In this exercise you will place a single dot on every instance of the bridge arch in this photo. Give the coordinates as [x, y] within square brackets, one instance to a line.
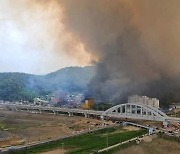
[135, 111]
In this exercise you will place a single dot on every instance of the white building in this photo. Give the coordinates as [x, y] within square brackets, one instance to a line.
[154, 102]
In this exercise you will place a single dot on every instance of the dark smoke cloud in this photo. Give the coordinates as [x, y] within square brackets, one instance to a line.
[136, 42]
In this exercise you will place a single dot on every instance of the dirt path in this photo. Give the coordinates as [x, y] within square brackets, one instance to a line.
[131, 128]
[157, 146]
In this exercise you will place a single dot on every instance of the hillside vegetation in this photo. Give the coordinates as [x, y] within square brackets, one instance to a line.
[21, 86]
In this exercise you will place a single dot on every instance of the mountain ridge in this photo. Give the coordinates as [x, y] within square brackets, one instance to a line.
[15, 86]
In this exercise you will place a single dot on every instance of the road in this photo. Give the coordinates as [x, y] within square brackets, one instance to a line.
[54, 110]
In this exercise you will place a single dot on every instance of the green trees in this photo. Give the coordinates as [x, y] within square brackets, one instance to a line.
[21, 86]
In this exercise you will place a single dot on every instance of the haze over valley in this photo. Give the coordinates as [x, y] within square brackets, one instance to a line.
[89, 76]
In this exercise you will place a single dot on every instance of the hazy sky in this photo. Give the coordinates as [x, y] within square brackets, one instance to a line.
[33, 38]
[41, 36]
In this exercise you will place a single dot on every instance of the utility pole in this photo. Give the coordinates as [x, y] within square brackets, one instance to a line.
[107, 141]
[119, 142]
[62, 147]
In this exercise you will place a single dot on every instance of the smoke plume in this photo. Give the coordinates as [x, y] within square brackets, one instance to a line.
[136, 43]
[33, 38]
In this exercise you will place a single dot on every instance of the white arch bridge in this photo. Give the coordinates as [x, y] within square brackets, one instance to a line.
[135, 111]
[128, 110]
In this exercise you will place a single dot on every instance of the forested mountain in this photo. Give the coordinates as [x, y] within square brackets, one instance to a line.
[21, 86]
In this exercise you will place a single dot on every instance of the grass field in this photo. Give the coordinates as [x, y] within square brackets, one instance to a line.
[88, 142]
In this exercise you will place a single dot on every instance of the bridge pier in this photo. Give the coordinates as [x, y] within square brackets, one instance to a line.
[86, 115]
[40, 111]
[54, 112]
[141, 111]
[121, 110]
[28, 110]
[135, 110]
[130, 110]
[146, 113]
[102, 117]
[70, 114]
[126, 109]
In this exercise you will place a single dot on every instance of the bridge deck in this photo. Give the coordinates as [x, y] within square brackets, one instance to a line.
[114, 112]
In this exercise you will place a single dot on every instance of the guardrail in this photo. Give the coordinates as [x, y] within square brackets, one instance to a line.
[117, 145]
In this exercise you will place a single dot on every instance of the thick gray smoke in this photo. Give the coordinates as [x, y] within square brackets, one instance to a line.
[136, 43]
